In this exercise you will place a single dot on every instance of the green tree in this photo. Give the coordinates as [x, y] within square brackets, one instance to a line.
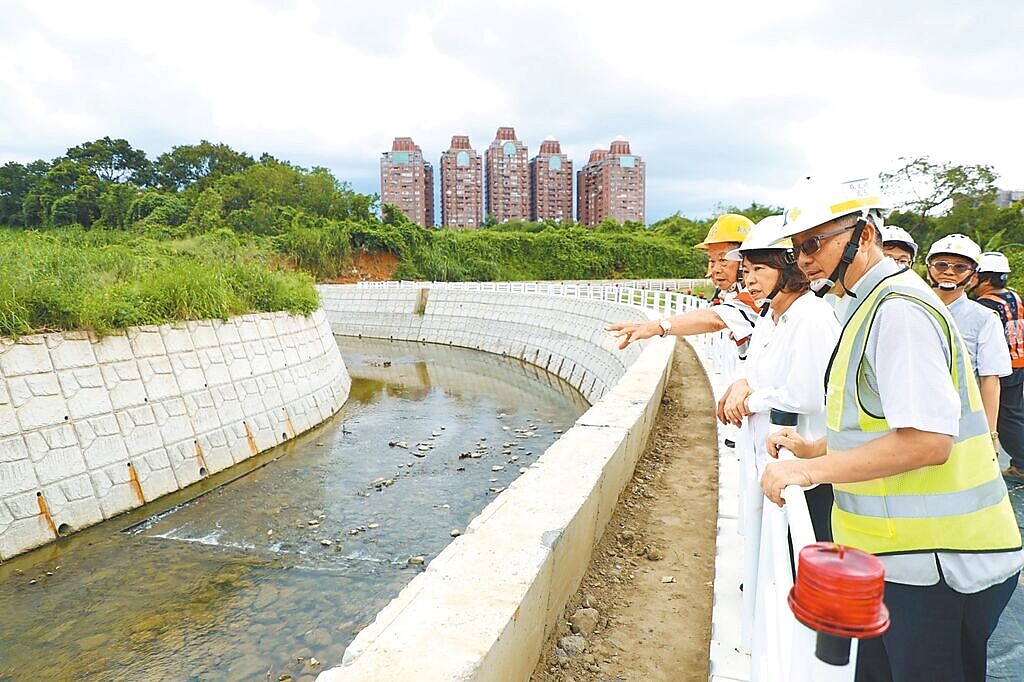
[685, 230]
[16, 180]
[70, 182]
[281, 186]
[115, 202]
[113, 160]
[928, 188]
[207, 213]
[198, 164]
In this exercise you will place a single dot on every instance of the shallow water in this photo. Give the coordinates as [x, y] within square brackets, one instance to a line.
[1006, 647]
[287, 562]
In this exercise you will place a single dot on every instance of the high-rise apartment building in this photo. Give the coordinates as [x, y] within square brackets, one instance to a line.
[611, 185]
[407, 181]
[551, 183]
[507, 192]
[462, 200]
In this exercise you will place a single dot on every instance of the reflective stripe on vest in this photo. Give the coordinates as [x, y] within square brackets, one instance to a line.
[960, 505]
[1013, 326]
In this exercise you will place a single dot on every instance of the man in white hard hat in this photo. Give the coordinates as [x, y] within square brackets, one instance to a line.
[732, 308]
[898, 245]
[991, 291]
[952, 262]
[908, 450]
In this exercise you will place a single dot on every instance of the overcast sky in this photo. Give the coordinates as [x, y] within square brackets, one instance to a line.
[726, 101]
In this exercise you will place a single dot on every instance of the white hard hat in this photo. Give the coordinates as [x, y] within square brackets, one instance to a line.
[956, 245]
[993, 261]
[897, 235]
[816, 202]
[763, 237]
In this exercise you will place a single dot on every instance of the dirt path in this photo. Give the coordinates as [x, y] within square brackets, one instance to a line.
[650, 577]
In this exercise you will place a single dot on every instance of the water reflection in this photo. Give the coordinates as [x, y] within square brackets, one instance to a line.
[270, 571]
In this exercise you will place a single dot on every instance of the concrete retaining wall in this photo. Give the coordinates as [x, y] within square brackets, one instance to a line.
[483, 607]
[90, 428]
[563, 335]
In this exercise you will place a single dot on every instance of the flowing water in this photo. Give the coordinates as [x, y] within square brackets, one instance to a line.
[284, 558]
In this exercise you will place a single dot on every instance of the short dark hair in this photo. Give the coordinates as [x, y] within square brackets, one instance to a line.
[996, 279]
[792, 279]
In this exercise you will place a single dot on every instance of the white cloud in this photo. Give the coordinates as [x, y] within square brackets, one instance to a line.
[726, 101]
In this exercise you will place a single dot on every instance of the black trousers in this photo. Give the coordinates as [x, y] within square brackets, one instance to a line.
[819, 505]
[937, 634]
[1010, 423]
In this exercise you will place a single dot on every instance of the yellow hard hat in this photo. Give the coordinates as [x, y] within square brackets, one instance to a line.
[730, 227]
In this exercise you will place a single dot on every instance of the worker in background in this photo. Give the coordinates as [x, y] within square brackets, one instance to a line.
[794, 324]
[732, 308]
[991, 291]
[952, 262]
[899, 245]
[907, 450]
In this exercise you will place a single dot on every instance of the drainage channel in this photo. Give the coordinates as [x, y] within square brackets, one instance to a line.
[269, 570]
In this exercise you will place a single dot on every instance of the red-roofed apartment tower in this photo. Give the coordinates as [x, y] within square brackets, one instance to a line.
[551, 184]
[407, 181]
[611, 185]
[507, 192]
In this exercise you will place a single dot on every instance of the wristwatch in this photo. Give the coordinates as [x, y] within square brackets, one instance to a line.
[665, 325]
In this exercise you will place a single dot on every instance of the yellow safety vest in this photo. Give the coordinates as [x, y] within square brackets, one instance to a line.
[959, 506]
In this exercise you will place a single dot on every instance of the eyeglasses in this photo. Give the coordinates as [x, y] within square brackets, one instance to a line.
[943, 266]
[905, 262]
[812, 245]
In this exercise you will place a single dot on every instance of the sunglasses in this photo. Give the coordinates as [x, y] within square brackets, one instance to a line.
[812, 245]
[943, 266]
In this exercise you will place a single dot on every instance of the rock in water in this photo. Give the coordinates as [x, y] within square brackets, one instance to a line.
[318, 637]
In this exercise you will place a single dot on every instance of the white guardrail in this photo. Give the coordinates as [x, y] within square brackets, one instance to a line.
[779, 647]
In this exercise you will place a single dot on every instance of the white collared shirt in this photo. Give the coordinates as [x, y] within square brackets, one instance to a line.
[786, 366]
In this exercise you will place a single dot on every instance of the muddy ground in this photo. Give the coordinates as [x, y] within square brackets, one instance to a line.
[650, 577]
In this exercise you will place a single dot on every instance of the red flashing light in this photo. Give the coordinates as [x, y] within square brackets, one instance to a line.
[839, 591]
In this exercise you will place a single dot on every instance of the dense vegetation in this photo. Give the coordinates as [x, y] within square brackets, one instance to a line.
[70, 278]
[104, 237]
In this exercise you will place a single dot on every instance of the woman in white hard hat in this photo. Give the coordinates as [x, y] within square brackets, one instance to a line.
[789, 351]
[907, 451]
[899, 245]
[991, 291]
[952, 262]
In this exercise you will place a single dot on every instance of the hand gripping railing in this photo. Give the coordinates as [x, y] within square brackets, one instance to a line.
[782, 649]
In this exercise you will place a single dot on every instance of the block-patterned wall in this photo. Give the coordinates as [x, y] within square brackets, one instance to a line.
[563, 335]
[91, 427]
